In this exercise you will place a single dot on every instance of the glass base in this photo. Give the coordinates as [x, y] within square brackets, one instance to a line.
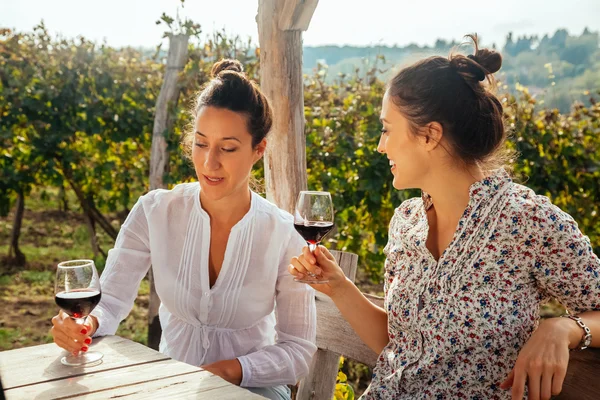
[87, 359]
[312, 281]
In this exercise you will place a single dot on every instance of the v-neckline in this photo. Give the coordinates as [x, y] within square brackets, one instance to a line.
[224, 263]
[451, 243]
[205, 264]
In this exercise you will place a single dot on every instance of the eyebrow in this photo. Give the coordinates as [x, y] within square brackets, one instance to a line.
[224, 138]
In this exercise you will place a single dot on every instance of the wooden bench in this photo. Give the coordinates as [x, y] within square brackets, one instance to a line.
[335, 337]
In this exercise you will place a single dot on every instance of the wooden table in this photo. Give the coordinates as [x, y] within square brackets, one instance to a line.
[128, 370]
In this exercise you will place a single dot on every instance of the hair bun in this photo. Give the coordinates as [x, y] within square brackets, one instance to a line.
[490, 60]
[226, 64]
[479, 65]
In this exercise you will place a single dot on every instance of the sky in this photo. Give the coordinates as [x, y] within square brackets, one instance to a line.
[338, 22]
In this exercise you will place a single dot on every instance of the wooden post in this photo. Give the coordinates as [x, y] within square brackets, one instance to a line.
[320, 382]
[280, 26]
[159, 158]
[168, 96]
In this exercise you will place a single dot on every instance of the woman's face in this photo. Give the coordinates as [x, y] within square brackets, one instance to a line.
[222, 153]
[408, 153]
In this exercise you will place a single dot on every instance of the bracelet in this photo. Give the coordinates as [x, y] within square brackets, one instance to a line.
[586, 340]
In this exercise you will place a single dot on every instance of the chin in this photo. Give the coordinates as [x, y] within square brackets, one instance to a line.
[213, 193]
[397, 184]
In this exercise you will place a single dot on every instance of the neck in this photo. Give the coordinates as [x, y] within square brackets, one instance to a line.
[228, 210]
[449, 189]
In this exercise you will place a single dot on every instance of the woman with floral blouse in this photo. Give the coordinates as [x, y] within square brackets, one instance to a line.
[469, 262]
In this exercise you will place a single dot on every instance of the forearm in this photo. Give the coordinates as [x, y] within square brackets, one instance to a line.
[230, 370]
[369, 321]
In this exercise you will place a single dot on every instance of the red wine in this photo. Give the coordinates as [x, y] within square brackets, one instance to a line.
[78, 303]
[313, 232]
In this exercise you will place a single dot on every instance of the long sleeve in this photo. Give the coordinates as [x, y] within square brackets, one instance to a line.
[127, 263]
[566, 266]
[288, 360]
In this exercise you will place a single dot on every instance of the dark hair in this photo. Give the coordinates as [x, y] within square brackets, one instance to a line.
[450, 91]
[229, 88]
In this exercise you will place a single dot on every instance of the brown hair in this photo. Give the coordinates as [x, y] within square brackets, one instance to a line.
[450, 91]
[230, 89]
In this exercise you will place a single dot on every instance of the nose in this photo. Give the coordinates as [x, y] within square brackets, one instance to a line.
[211, 162]
[381, 145]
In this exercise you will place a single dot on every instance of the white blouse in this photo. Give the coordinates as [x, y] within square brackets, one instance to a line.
[254, 312]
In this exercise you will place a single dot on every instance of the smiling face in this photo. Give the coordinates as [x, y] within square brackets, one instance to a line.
[408, 153]
[222, 153]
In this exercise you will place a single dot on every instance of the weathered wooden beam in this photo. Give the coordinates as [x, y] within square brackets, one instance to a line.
[281, 81]
[169, 94]
[320, 382]
[296, 14]
[159, 156]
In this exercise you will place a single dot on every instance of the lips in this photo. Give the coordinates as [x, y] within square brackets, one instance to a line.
[213, 180]
[392, 165]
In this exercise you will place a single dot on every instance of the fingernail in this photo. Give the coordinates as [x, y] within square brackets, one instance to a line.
[83, 331]
[312, 261]
[318, 271]
[87, 341]
[84, 348]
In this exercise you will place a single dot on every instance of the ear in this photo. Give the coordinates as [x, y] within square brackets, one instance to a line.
[432, 136]
[260, 149]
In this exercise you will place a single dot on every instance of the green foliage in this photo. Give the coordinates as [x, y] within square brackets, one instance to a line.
[343, 390]
[78, 114]
[37, 277]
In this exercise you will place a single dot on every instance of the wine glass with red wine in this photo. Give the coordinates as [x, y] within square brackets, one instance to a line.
[313, 220]
[77, 292]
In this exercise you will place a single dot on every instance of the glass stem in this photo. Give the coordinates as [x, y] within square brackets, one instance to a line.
[312, 247]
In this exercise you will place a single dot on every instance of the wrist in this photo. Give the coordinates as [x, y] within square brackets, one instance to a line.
[566, 329]
[581, 336]
[93, 322]
[233, 371]
[341, 290]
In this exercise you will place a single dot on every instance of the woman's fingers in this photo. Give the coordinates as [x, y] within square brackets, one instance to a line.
[546, 388]
[558, 379]
[68, 334]
[308, 255]
[302, 266]
[306, 266]
[64, 341]
[322, 250]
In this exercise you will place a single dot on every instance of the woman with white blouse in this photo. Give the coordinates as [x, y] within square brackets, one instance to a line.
[469, 262]
[219, 253]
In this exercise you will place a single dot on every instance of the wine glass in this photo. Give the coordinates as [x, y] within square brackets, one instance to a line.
[77, 292]
[313, 219]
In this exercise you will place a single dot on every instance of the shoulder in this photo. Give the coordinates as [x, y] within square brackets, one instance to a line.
[182, 195]
[534, 209]
[265, 210]
[535, 216]
[277, 223]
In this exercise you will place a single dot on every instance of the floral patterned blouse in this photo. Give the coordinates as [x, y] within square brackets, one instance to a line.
[456, 325]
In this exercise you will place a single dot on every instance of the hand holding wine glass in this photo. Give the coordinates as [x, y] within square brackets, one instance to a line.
[313, 219]
[77, 292]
